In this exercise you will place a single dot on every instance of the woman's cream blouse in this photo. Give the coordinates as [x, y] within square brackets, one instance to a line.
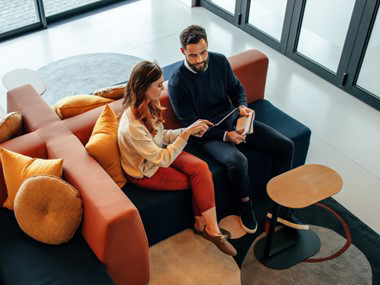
[141, 153]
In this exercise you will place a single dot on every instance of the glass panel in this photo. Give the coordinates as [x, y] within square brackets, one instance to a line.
[17, 14]
[53, 7]
[228, 5]
[323, 32]
[268, 16]
[369, 72]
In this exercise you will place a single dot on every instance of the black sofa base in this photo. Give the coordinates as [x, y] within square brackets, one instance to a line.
[24, 260]
[165, 213]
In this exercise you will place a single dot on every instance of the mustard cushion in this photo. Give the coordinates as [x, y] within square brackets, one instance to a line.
[103, 145]
[75, 105]
[18, 167]
[114, 92]
[48, 209]
[10, 126]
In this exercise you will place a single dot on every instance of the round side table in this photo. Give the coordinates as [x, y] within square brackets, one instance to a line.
[22, 76]
[297, 188]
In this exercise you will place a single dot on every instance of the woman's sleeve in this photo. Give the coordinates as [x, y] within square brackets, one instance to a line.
[171, 135]
[142, 141]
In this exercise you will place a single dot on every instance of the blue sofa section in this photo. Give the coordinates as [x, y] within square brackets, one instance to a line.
[24, 260]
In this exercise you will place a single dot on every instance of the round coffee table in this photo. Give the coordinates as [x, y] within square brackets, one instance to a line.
[297, 188]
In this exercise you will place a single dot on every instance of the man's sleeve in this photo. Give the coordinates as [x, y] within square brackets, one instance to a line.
[235, 89]
[186, 112]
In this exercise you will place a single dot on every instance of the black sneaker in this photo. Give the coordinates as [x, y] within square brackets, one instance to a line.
[291, 221]
[247, 217]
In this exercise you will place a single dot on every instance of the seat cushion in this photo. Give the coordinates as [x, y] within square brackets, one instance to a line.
[24, 260]
[48, 209]
[267, 113]
[163, 213]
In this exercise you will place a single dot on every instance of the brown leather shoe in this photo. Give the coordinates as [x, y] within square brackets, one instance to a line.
[223, 231]
[221, 242]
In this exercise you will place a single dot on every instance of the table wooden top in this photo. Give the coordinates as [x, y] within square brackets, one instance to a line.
[304, 185]
[22, 76]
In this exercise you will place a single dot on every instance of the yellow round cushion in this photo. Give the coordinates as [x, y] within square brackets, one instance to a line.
[48, 209]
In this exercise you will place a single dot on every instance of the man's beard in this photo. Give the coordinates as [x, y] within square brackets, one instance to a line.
[199, 69]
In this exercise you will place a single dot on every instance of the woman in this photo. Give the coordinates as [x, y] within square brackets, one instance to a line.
[151, 165]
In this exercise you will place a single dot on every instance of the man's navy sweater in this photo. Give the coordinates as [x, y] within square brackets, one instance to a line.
[207, 95]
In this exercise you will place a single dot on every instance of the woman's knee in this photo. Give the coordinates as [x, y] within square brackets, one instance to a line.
[201, 167]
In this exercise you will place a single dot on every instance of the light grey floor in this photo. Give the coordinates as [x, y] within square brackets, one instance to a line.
[346, 132]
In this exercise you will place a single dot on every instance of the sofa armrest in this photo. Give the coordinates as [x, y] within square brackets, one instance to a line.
[35, 111]
[111, 223]
[251, 69]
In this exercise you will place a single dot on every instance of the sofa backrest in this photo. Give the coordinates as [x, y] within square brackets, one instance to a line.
[250, 67]
[28, 144]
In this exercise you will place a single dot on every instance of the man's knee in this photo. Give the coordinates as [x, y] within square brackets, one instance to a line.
[238, 162]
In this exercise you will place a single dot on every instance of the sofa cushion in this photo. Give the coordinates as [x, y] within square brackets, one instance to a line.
[48, 209]
[10, 126]
[24, 260]
[75, 105]
[174, 207]
[103, 145]
[112, 92]
[267, 113]
[17, 167]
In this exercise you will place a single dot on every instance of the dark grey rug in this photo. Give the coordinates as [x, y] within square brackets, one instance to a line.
[83, 74]
[350, 268]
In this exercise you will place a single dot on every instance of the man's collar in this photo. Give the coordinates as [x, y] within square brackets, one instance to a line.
[189, 68]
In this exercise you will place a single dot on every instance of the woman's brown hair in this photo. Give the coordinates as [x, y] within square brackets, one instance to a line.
[146, 111]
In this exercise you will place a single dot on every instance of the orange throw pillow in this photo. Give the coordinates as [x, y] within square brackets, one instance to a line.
[18, 167]
[103, 145]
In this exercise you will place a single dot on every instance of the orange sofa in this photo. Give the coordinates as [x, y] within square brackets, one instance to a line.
[112, 226]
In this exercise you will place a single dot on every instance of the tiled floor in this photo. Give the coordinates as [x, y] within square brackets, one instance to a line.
[346, 132]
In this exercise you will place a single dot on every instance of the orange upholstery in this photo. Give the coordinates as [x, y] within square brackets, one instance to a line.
[82, 125]
[112, 226]
[171, 121]
[35, 113]
[251, 68]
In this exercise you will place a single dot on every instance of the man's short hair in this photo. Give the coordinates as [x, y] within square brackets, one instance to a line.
[192, 35]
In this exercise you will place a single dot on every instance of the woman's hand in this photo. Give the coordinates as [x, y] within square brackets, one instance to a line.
[199, 127]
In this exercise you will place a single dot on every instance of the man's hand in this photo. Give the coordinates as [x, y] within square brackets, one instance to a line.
[235, 136]
[244, 111]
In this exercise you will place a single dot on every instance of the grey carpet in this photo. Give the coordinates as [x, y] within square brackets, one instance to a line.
[83, 74]
[352, 267]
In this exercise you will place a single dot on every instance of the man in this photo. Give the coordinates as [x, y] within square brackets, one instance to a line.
[204, 86]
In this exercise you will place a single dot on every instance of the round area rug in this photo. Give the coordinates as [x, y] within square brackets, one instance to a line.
[351, 267]
[83, 74]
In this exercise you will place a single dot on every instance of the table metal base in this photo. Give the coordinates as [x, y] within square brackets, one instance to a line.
[289, 247]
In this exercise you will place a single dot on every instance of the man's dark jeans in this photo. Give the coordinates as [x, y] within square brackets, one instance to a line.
[264, 139]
